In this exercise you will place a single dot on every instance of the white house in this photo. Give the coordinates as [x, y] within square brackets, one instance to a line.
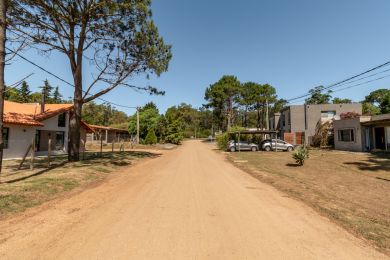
[24, 122]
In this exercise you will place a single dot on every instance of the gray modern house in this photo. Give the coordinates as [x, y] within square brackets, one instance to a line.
[363, 133]
[303, 119]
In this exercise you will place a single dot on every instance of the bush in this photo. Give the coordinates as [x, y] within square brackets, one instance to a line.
[151, 137]
[174, 138]
[300, 155]
[222, 140]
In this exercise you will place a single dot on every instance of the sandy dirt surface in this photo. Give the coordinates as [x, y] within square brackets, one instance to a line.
[187, 204]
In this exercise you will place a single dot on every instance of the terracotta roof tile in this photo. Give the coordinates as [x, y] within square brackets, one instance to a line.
[30, 113]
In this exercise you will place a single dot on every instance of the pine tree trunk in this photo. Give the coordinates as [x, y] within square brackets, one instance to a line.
[75, 118]
[3, 11]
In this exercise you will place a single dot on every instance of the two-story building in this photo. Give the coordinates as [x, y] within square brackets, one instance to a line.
[25, 122]
[304, 118]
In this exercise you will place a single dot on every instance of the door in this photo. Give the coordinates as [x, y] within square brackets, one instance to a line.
[380, 138]
[60, 138]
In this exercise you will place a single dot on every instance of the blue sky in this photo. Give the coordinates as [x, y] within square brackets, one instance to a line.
[292, 45]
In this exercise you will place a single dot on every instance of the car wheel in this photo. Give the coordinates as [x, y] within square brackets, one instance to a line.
[232, 149]
[254, 149]
[289, 149]
[267, 148]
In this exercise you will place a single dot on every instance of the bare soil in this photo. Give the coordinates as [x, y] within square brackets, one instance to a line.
[352, 189]
[189, 203]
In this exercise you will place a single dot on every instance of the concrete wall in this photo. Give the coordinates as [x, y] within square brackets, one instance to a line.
[313, 114]
[19, 139]
[358, 145]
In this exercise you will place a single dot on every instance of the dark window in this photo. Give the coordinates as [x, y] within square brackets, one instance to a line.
[61, 120]
[346, 135]
[37, 140]
[5, 137]
[60, 138]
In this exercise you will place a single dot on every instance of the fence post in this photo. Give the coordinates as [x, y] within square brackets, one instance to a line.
[49, 152]
[113, 145]
[101, 147]
[32, 153]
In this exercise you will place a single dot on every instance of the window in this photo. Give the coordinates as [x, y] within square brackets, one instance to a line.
[346, 135]
[328, 114]
[60, 138]
[61, 120]
[5, 137]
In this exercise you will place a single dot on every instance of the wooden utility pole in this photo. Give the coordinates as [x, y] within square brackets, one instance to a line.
[137, 126]
[3, 26]
[267, 116]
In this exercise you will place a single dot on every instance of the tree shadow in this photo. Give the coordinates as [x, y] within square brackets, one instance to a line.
[376, 162]
[36, 173]
[292, 165]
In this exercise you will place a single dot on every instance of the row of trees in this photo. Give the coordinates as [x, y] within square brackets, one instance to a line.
[105, 115]
[178, 122]
[236, 103]
[25, 95]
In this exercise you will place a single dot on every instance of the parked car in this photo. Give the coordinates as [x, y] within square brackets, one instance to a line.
[272, 144]
[242, 146]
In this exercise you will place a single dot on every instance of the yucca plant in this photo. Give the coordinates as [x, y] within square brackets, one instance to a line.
[300, 155]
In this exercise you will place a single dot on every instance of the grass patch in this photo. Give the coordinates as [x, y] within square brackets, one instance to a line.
[349, 188]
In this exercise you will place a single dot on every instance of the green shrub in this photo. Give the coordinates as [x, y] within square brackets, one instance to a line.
[300, 155]
[222, 140]
[174, 138]
[151, 137]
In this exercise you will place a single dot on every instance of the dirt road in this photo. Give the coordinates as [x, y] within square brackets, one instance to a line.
[187, 204]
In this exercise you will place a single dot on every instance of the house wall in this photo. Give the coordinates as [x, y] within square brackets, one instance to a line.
[52, 125]
[313, 114]
[358, 145]
[19, 139]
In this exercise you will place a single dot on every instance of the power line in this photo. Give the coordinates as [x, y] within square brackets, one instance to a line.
[65, 81]
[359, 84]
[345, 81]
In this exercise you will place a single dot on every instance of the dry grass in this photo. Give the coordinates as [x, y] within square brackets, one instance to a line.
[353, 189]
[22, 189]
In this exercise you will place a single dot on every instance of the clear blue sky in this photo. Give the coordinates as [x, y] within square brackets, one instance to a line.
[292, 45]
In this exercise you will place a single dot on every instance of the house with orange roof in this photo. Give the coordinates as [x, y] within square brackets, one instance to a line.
[25, 122]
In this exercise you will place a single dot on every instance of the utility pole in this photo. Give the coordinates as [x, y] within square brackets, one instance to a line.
[137, 125]
[3, 13]
[267, 116]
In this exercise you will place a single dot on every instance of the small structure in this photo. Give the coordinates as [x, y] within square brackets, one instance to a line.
[264, 134]
[107, 134]
[363, 133]
[296, 122]
[28, 123]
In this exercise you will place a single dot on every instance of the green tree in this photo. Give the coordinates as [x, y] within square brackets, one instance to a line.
[25, 93]
[317, 97]
[379, 99]
[223, 97]
[12, 94]
[337, 100]
[118, 36]
[47, 91]
[57, 97]
[151, 137]
[149, 118]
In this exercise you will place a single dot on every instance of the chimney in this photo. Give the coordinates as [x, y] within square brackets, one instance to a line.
[43, 101]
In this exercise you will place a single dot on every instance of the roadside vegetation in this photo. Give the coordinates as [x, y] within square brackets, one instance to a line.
[351, 189]
[23, 189]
